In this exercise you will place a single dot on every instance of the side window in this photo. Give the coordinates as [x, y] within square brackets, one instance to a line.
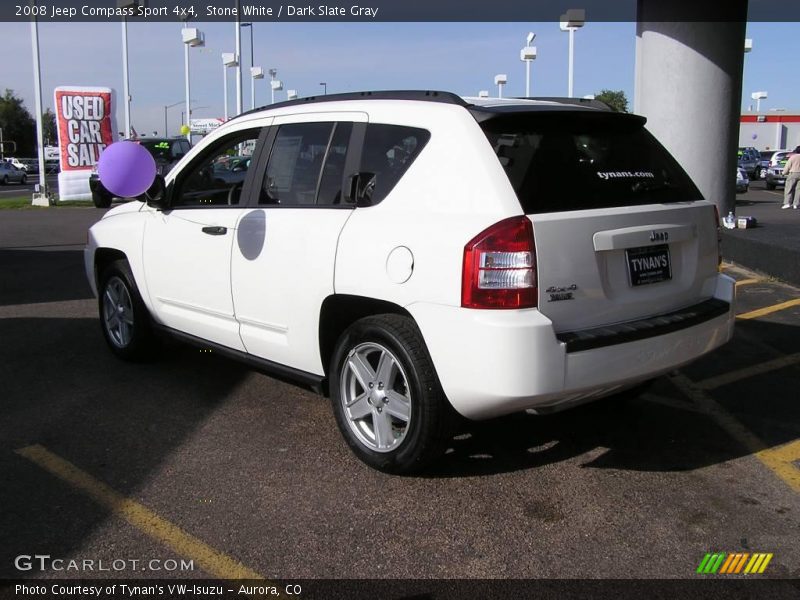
[295, 164]
[216, 177]
[330, 183]
[388, 152]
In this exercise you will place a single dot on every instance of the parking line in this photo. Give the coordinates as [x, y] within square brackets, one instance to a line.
[754, 314]
[748, 281]
[776, 460]
[781, 460]
[747, 372]
[210, 560]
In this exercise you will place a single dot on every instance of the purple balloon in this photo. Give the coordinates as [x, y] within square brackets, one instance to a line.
[126, 169]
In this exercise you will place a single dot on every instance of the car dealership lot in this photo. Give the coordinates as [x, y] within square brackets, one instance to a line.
[237, 468]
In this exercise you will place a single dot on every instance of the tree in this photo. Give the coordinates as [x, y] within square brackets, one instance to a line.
[615, 99]
[17, 124]
[49, 127]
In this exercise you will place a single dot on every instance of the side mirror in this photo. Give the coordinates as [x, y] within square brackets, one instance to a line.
[156, 195]
[360, 187]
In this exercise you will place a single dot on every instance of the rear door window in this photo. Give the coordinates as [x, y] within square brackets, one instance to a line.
[388, 152]
[574, 161]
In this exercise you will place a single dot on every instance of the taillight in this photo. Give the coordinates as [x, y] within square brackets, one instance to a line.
[719, 236]
[499, 269]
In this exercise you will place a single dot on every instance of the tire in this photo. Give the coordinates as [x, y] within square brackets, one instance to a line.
[124, 318]
[5, 180]
[757, 174]
[416, 431]
[101, 200]
[770, 186]
[24, 180]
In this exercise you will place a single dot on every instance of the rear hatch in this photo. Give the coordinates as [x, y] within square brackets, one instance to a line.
[621, 232]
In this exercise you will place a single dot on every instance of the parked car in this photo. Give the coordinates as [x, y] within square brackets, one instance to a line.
[748, 158]
[11, 174]
[231, 169]
[16, 162]
[742, 182]
[411, 255]
[166, 152]
[763, 163]
[31, 165]
[773, 175]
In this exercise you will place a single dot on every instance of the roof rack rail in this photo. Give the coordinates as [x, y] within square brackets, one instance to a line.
[422, 95]
[574, 101]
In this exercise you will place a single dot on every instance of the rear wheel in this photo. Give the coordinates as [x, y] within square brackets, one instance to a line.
[5, 179]
[124, 318]
[24, 180]
[386, 397]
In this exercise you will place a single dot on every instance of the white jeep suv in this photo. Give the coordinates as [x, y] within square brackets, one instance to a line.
[417, 255]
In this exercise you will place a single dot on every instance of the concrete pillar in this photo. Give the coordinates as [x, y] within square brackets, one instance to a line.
[689, 86]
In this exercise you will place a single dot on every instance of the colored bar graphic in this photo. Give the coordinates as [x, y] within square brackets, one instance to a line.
[732, 564]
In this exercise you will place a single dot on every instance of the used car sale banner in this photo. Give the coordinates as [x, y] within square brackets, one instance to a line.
[85, 121]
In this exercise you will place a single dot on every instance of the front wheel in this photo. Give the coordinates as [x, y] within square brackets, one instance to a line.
[123, 316]
[386, 396]
[24, 180]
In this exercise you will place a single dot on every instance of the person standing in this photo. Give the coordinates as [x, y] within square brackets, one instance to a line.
[791, 190]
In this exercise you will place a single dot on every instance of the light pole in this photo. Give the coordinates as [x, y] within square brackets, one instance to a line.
[275, 85]
[324, 88]
[191, 36]
[758, 97]
[39, 199]
[483, 94]
[166, 106]
[125, 72]
[528, 55]
[571, 21]
[252, 83]
[255, 73]
[291, 94]
[238, 60]
[228, 60]
[500, 80]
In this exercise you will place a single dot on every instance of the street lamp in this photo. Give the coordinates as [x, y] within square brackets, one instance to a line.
[291, 94]
[758, 97]
[483, 94]
[528, 55]
[276, 85]
[748, 45]
[125, 74]
[255, 73]
[228, 60]
[252, 83]
[166, 106]
[193, 37]
[500, 80]
[238, 60]
[324, 88]
[571, 21]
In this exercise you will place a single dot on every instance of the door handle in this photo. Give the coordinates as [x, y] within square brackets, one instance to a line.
[215, 230]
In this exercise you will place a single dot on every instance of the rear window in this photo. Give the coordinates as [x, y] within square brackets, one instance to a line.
[567, 161]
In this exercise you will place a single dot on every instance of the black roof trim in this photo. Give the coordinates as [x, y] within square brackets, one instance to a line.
[590, 102]
[421, 95]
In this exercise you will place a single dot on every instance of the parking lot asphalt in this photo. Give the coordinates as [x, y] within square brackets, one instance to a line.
[192, 456]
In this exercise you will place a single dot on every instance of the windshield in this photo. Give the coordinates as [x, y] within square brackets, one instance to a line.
[574, 161]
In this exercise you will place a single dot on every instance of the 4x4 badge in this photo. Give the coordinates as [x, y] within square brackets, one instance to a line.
[561, 293]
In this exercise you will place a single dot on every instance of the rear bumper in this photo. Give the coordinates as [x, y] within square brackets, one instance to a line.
[492, 363]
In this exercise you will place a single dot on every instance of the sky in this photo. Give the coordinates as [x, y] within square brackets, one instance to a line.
[457, 57]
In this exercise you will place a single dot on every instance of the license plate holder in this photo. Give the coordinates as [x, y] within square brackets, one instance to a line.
[648, 264]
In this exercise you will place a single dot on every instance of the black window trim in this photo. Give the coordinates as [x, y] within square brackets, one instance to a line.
[350, 166]
[247, 189]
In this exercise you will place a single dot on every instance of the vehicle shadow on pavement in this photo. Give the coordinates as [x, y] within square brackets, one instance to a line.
[42, 275]
[660, 431]
[117, 421]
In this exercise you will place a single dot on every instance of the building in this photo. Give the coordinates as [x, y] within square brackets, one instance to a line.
[771, 130]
